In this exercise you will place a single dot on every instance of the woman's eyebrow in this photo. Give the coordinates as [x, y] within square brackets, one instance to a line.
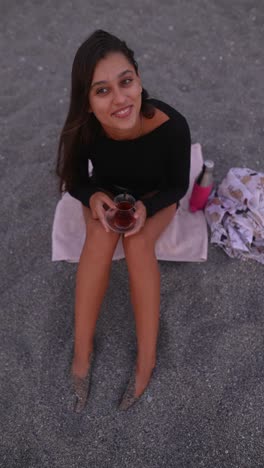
[97, 83]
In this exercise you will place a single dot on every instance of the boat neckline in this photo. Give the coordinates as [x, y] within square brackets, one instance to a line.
[141, 137]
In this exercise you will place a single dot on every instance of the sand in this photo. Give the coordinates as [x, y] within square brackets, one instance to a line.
[205, 404]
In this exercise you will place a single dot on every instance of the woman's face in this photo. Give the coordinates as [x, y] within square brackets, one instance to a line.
[115, 96]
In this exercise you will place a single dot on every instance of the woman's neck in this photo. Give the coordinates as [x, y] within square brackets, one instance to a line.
[129, 134]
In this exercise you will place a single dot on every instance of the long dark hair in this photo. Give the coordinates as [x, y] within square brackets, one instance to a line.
[81, 126]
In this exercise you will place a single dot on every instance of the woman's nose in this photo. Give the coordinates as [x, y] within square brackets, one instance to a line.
[118, 96]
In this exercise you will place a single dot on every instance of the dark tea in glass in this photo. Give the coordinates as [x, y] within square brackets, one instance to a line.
[124, 215]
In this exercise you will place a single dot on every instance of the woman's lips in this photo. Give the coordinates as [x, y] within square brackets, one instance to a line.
[124, 112]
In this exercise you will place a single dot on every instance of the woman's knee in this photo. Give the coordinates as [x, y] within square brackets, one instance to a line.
[138, 245]
[96, 235]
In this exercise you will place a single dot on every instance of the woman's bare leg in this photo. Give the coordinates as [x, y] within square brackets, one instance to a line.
[144, 279]
[91, 283]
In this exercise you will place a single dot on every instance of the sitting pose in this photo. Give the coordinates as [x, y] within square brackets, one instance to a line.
[136, 145]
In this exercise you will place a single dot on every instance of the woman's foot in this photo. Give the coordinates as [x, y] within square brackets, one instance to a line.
[81, 380]
[137, 384]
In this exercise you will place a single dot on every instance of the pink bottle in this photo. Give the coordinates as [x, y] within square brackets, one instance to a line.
[202, 187]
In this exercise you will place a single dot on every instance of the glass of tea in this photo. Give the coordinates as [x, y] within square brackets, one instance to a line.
[122, 218]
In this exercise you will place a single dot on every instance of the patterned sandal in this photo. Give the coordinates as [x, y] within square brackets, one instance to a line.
[81, 387]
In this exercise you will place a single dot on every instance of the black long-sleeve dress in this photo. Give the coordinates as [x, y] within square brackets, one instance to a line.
[158, 161]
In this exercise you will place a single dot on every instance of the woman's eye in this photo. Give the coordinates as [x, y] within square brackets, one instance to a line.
[127, 81]
[104, 91]
[101, 91]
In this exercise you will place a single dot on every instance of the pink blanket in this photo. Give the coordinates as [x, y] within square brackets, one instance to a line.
[184, 240]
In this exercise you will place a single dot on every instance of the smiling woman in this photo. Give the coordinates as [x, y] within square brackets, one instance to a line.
[116, 94]
[139, 146]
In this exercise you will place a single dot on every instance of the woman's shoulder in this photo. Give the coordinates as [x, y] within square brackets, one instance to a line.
[167, 117]
[167, 109]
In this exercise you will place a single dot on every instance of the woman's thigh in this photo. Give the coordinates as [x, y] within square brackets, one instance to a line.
[146, 238]
[96, 231]
[156, 224]
[90, 222]
[151, 231]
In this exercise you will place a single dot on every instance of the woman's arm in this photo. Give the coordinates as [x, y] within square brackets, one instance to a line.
[177, 170]
[83, 187]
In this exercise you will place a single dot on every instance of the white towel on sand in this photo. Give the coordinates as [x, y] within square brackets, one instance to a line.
[184, 240]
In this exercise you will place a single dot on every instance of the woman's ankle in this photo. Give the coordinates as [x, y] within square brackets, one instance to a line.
[142, 380]
[145, 366]
[81, 364]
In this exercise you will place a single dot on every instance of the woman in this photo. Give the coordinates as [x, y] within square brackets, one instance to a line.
[137, 145]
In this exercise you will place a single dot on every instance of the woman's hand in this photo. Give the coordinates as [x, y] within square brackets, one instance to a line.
[140, 215]
[97, 202]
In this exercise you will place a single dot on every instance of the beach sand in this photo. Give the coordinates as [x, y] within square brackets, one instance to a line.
[205, 404]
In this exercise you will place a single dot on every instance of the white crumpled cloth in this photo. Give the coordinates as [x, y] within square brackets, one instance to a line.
[235, 214]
